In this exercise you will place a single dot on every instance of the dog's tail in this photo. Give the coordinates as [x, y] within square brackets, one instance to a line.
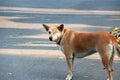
[116, 46]
[118, 51]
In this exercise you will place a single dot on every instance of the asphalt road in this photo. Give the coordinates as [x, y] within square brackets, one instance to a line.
[27, 54]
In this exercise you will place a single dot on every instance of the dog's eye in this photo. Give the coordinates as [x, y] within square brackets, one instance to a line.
[49, 32]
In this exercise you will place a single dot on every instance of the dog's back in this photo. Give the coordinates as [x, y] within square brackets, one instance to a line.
[82, 42]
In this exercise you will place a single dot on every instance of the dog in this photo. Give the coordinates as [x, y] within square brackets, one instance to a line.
[80, 44]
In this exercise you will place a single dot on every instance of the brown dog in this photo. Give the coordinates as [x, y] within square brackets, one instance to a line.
[83, 44]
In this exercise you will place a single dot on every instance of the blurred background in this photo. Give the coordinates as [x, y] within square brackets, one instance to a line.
[27, 54]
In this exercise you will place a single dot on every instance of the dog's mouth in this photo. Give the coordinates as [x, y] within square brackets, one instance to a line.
[55, 37]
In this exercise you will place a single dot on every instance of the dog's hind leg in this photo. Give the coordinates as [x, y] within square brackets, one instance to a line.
[108, 68]
[111, 57]
[107, 56]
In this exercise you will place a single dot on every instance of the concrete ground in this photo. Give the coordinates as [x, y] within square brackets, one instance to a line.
[27, 54]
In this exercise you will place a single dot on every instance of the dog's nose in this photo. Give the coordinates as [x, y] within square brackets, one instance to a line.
[50, 38]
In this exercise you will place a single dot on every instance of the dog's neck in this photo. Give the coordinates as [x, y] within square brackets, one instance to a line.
[58, 43]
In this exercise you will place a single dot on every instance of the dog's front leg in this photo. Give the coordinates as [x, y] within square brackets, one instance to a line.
[70, 60]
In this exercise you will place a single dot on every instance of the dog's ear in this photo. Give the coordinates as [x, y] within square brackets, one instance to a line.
[46, 27]
[61, 27]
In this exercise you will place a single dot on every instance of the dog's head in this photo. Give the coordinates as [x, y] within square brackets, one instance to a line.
[55, 32]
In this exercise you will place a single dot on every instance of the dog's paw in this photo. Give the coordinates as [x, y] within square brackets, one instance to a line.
[107, 78]
[69, 77]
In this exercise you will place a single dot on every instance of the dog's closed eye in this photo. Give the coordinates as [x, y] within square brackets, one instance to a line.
[49, 32]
